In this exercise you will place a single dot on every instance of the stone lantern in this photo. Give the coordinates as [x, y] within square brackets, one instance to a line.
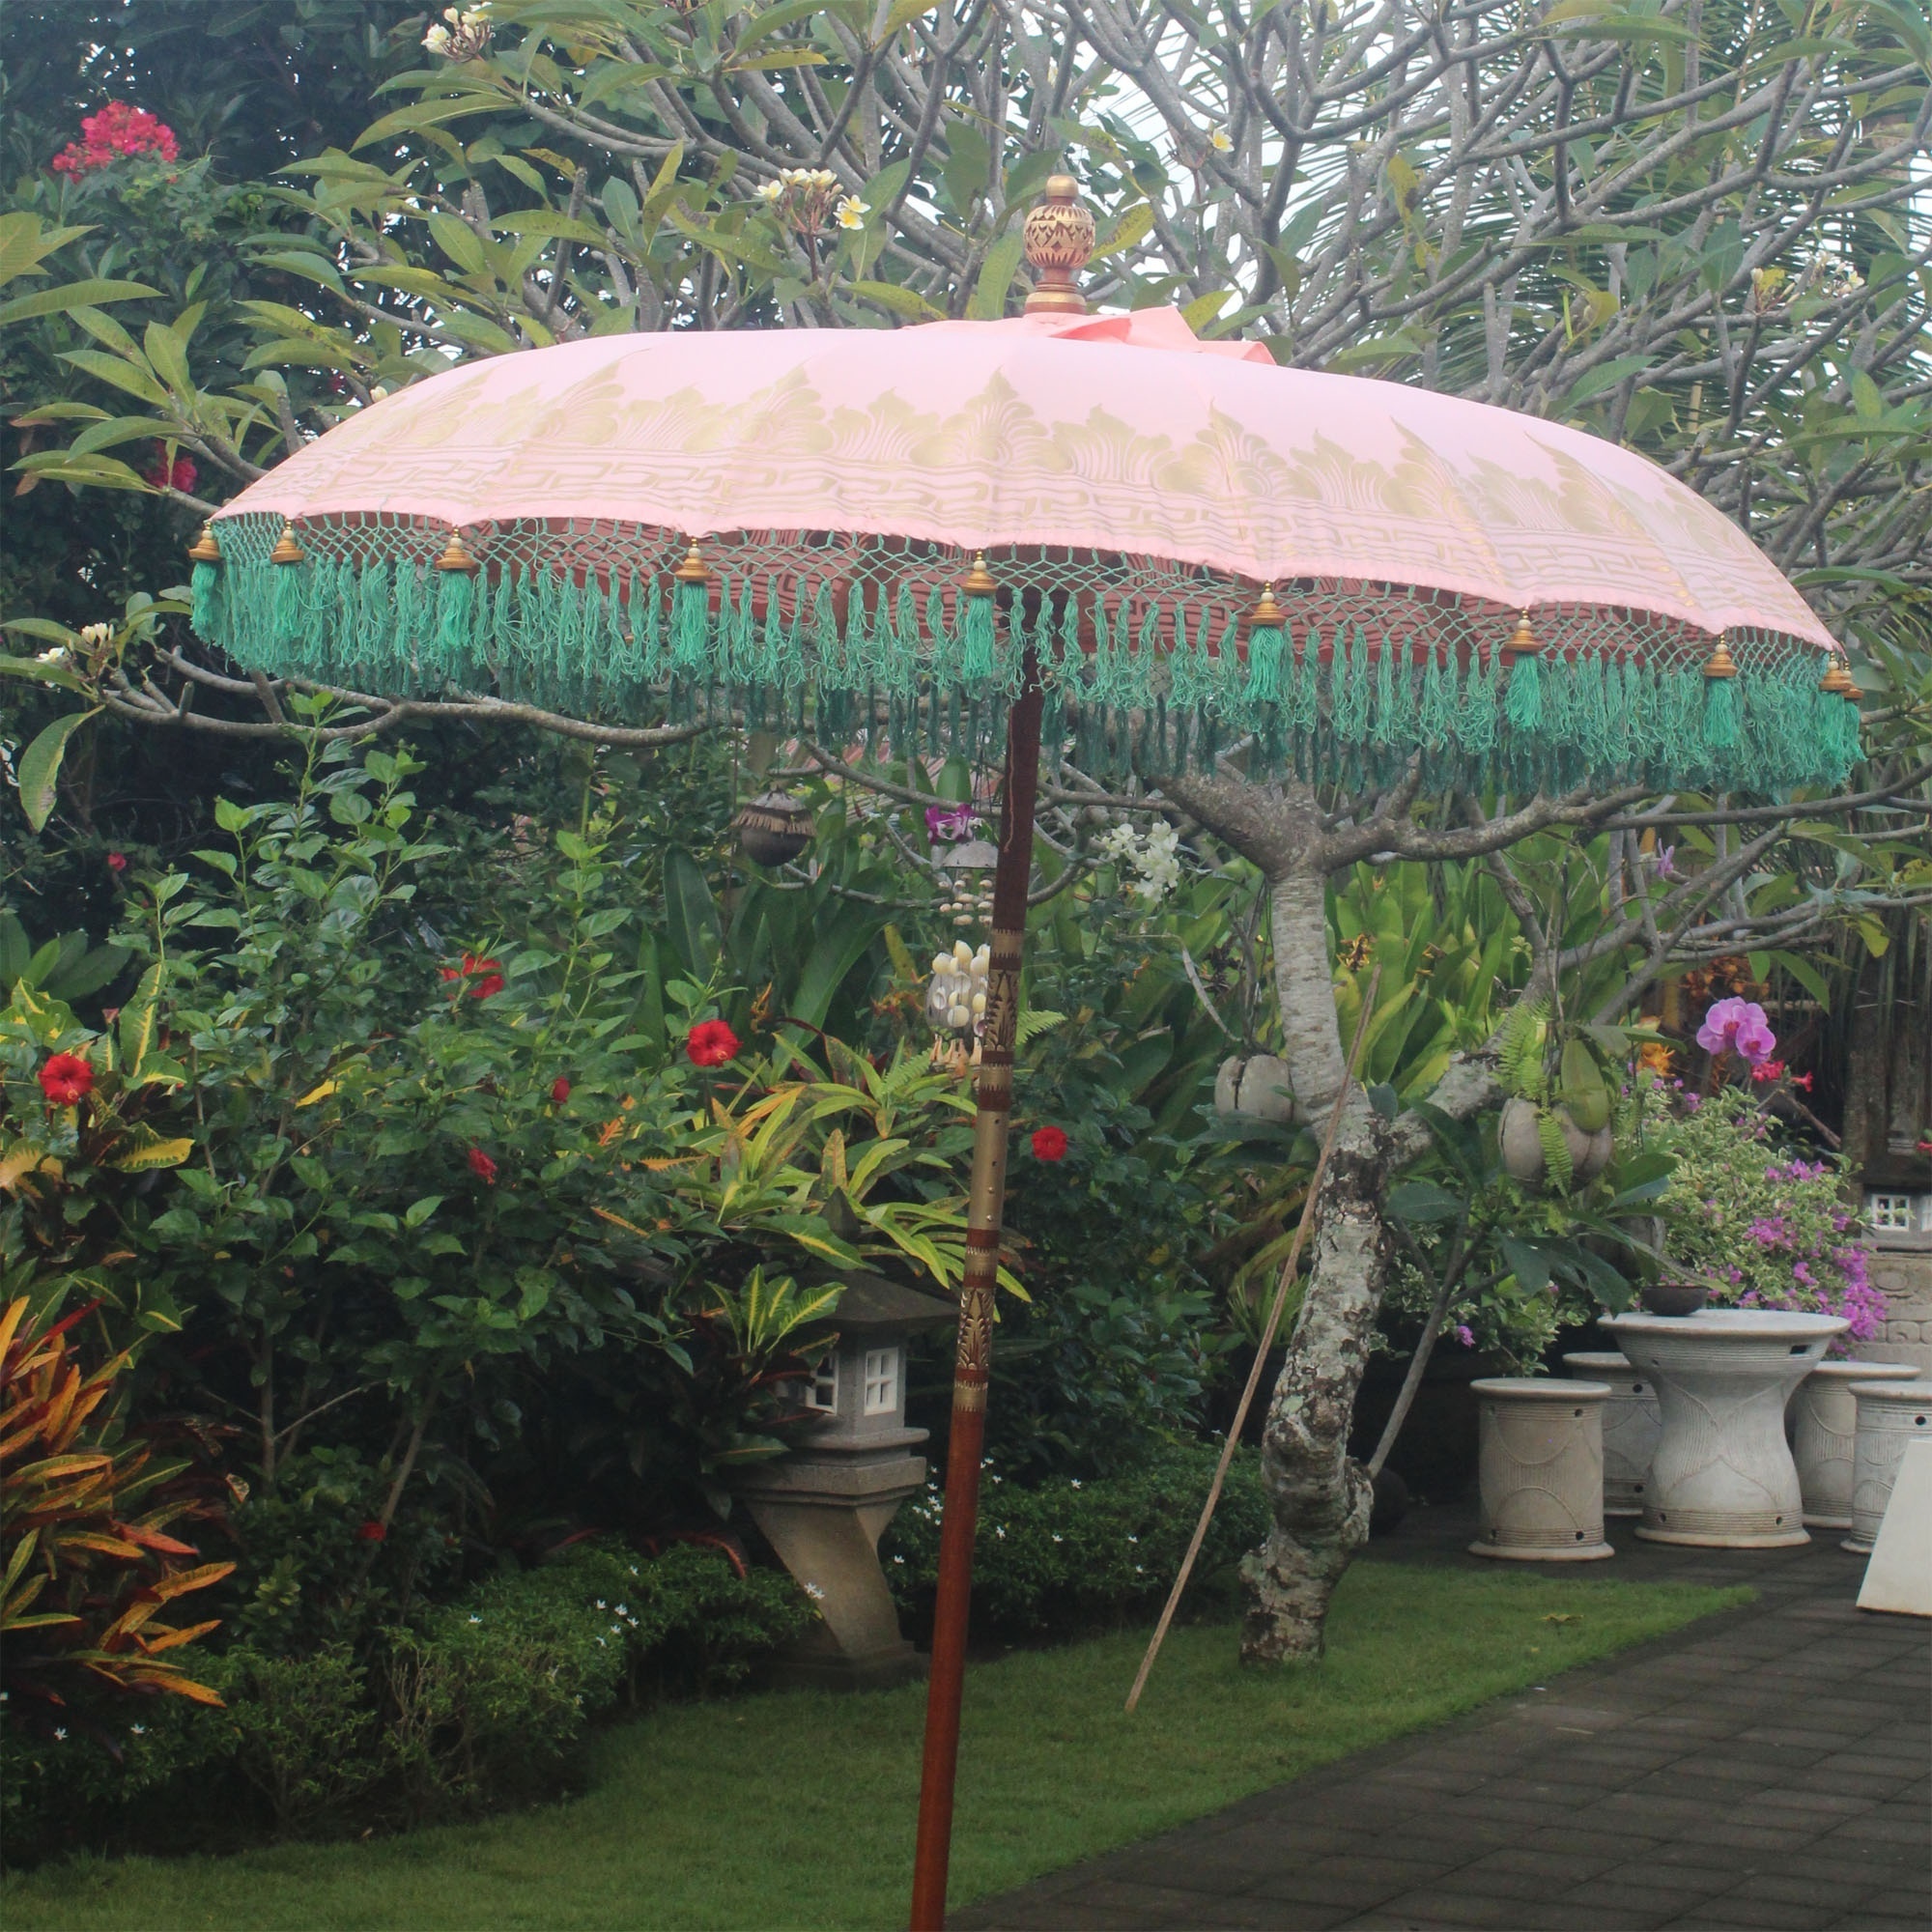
[824, 1506]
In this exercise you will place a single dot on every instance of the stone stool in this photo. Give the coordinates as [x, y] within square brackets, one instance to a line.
[1824, 1428]
[1891, 1415]
[1541, 1470]
[1631, 1424]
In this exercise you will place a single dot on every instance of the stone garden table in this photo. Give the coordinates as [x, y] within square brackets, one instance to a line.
[1723, 1475]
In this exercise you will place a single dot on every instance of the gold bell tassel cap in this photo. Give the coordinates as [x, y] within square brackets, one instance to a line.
[979, 582]
[1721, 663]
[1060, 237]
[456, 555]
[206, 548]
[693, 569]
[287, 549]
[1838, 679]
[1523, 641]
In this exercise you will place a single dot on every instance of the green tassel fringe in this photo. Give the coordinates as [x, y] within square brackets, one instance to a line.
[1326, 705]
[203, 592]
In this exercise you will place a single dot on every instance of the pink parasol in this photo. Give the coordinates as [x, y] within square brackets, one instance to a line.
[994, 536]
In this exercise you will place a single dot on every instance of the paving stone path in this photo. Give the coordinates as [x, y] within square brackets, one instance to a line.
[1769, 1768]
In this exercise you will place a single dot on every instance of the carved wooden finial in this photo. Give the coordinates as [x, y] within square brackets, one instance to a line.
[206, 548]
[1268, 613]
[693, 569]
[456, 555]
[979, 582]
[1523, 641]
[1721, 663]
[1059, 238]
[287, 549]
[1838, 679]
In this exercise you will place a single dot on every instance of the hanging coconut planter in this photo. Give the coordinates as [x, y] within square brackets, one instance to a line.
[1525, 1154]
[773, 829]
[1254, 1087]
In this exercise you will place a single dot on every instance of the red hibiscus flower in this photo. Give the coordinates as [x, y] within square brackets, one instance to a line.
[117, 861]
[711, 1043]
[1768, 1070]
[483, 1167]
[559, 1090]
[488, 975]
[372, 1531]
[1049, 1143]
[67, 1079]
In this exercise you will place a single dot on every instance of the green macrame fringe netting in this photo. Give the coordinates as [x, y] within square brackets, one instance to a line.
[1321, 705]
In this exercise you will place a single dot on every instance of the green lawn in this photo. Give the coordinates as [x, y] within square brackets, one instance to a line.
[797, 1810]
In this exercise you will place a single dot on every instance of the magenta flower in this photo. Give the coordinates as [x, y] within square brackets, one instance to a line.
[1740, 1027]
[949, 823]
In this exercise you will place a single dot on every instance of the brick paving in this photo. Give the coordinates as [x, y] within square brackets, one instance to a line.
[1769, 1768]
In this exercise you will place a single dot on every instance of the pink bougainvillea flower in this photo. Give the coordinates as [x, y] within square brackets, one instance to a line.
[559, 1090]
[67, 1079]
[488, 974]
[116, 132]
[1768, 1070]
[1049, 1143]
[710, 1043]
[1740, 1027]
[483, 1167]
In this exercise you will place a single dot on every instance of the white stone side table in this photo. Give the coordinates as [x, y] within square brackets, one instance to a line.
[1891, 1415]
[1824, 1418]
[1631, 1424]
[1541, 1470]
[1722, 1476]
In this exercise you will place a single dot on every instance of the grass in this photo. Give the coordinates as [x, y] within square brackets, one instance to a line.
[796, 1810]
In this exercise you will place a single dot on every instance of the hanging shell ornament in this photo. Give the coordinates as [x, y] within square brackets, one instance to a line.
[773, 829]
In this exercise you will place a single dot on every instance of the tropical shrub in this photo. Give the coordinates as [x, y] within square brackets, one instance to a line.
[1077, 1553]
[1752, 1214]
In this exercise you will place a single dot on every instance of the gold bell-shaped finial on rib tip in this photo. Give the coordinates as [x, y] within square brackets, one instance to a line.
[979, 582]
[1060, 237]
[204, 549]
[456, 555]
[1838, 679]
[1523, 641]
[693, 569]
[287, 549]
[1268, 613]
[1721, 663]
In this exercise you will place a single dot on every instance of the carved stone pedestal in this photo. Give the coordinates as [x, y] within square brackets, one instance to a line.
[1631, 1424]
[1824, 1421]
[1541, 1470]
[823, 1511]
[1891, 1415]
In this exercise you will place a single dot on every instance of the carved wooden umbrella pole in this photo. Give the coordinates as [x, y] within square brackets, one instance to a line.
[969, 539]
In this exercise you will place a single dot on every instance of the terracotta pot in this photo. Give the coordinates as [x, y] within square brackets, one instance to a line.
[1522, 1145]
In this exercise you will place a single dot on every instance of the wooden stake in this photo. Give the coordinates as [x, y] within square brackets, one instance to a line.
[1288, 1268]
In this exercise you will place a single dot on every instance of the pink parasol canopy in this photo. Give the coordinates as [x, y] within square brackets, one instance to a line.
[1117, 433]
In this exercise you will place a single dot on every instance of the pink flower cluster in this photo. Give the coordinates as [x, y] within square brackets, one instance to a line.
[117, 132]
[1740, 1027]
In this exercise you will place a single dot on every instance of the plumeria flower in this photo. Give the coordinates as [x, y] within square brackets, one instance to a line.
[1219, 140]
[771, 190]
[95, 635]
[851, 212]
[58, 655]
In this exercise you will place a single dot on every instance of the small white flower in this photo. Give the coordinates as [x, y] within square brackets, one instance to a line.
[94, 634]
[1058, 1538]
[822, 178]
[851, 212]
[138, 1730]
[1076, 1482]
[1133, 1539]
[60, 1736]
[623, 1609]
[1001, 1532]
[899, 1559]
[812, 1591]
[605, 1642]
[1219, 140]
[476, 1619]
[771, 190]
[56, 656]
[602, 1604]
[437, 40]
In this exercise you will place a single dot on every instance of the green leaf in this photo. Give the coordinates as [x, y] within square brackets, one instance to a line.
[460, 242]
[691, 915]
[40, 763]
[167, 351]
[1530, 1266]
[40, 674]
[904, 12]
[71, 294]
[996, 276]
[1423, 1200]
[420, 1212]
[899, 301]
